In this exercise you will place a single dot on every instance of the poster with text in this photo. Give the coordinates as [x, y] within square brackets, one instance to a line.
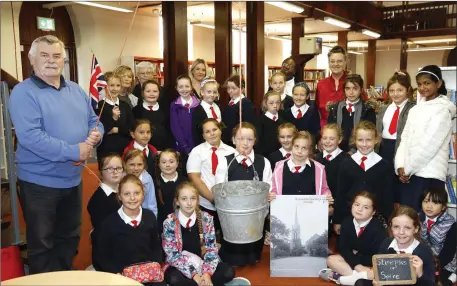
[299, 236]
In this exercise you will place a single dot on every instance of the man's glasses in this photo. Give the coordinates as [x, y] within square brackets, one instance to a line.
[111, 170]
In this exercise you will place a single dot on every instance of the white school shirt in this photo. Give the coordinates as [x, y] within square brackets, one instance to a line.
[335, 153]
[303, 109]
[141, 148]
[388, 115]
[113, 103]
[107, 189]
[408, 250]
[284, 152]
[206, 106]
[186, 102]
[155, 107]
[271, 115]
[289, 86]
[353, 105]
[266, 175]
[172, 180]
[183, 219]
[127, 219]
[292, 166]
[372, 159]
[358, 226]
[199, 161]
[236, 100]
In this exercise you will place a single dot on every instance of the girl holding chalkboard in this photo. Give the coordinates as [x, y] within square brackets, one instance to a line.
[360, 238]
[405, 231]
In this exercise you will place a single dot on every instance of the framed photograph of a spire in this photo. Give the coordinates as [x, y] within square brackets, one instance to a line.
[299, 236]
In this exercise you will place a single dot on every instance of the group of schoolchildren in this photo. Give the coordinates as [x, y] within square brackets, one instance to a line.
[147, 208]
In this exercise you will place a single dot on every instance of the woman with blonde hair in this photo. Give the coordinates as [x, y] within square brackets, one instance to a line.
[127, 84]
[198, 71]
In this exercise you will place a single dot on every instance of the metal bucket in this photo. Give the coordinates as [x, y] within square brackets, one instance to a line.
[242, 207]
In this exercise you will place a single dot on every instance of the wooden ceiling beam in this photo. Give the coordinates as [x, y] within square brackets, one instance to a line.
[420, 33]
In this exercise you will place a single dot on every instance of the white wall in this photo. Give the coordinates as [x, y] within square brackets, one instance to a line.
[203, 44]
[8, 61]
[103, 32]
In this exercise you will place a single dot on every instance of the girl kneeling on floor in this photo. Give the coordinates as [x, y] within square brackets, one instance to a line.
[189, 242]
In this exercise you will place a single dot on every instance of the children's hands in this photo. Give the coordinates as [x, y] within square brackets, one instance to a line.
[271, 196]
[114, 130]
[337, 228]
[402, 176]
[197, 278]
[206, 280]
[418, 264]
[330, 199]
[116, 113]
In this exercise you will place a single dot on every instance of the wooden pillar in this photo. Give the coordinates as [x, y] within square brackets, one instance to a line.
[370, 66]
[343, 39]
[403, 54]
[223, 46]
[298, 31]
[175, 55]
[255, 61]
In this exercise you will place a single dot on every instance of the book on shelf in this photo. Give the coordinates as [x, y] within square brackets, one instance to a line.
[453, 147]
[450, 189]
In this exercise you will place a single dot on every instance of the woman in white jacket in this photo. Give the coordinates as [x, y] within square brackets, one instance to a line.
[421, 160]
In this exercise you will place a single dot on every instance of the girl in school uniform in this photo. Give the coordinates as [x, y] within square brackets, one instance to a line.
[268, 123]
[331, 155]
[392, 117]
[167, 180]
[349, 112]
[404, 227]
[181, 116]
[159, 117]
[189, 242]
[303, 116]
[135, 164]
[117, 118]
[127, 84]
[360, 239]
[244, 136]
[231, 114]
[203, 166]
[363, 171]
[104, 201]
[438, 230]
[286, 133]
[278, 85]
[300, 175]
[130, 235]
[141, 135]
[421, 160]
[207, 108]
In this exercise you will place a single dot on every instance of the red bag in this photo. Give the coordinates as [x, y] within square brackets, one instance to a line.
[144, 272]
[12, 266]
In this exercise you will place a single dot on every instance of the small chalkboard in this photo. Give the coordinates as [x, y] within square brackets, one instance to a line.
[393, 269]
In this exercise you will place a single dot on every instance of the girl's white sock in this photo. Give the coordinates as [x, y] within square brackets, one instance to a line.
[351, 279]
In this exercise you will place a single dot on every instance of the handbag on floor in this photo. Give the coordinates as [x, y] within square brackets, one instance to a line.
[144, 272]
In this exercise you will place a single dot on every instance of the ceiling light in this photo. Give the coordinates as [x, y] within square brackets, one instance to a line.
[434, 41]
[105, 7]
[336, 22]
[371, 33]
[287, 6]
[324, 37]
[430, 49]
[355, 53]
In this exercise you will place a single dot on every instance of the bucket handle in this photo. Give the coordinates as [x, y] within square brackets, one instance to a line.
[256, 175]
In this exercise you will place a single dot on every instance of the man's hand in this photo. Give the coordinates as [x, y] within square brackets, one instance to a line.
[85, 151]
[94, 137]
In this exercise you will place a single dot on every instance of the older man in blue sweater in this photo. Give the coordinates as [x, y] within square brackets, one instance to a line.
[56, 127]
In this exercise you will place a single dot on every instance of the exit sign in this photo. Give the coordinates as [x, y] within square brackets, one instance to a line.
[46, 24]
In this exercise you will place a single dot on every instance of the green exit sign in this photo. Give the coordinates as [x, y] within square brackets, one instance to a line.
[46, 24]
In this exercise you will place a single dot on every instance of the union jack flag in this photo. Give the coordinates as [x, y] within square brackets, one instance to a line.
[97, 82]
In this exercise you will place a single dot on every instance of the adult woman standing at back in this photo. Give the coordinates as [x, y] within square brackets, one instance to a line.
[331, 89]
[198, 71]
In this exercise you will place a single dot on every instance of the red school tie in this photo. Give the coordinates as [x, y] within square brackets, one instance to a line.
[299, 115]
[243, 162]
[135, 223]
[328, 157]
[274, 118]
[401, 252]
[231, 103]
[145, 153]
[362, 164]
[187, 105]
[394, 122]
[150, 107]
[297, 169]
[350, 108]
[288, 155]
[362, 228]
[429, 225]
[213, 113]
[214, 161]
[188, 223]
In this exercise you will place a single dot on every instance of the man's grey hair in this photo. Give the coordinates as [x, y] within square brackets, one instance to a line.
[50, 39]
[144, 65]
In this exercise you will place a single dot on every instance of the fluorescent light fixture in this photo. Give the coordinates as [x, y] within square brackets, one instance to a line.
[434, 41]
[355, 53]
[105, 7]
[357, 44]
[287, 6]
[430, 49]
[277, 38]
[205, 26]
[336, 22]
[371, 33]
[324, 37]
